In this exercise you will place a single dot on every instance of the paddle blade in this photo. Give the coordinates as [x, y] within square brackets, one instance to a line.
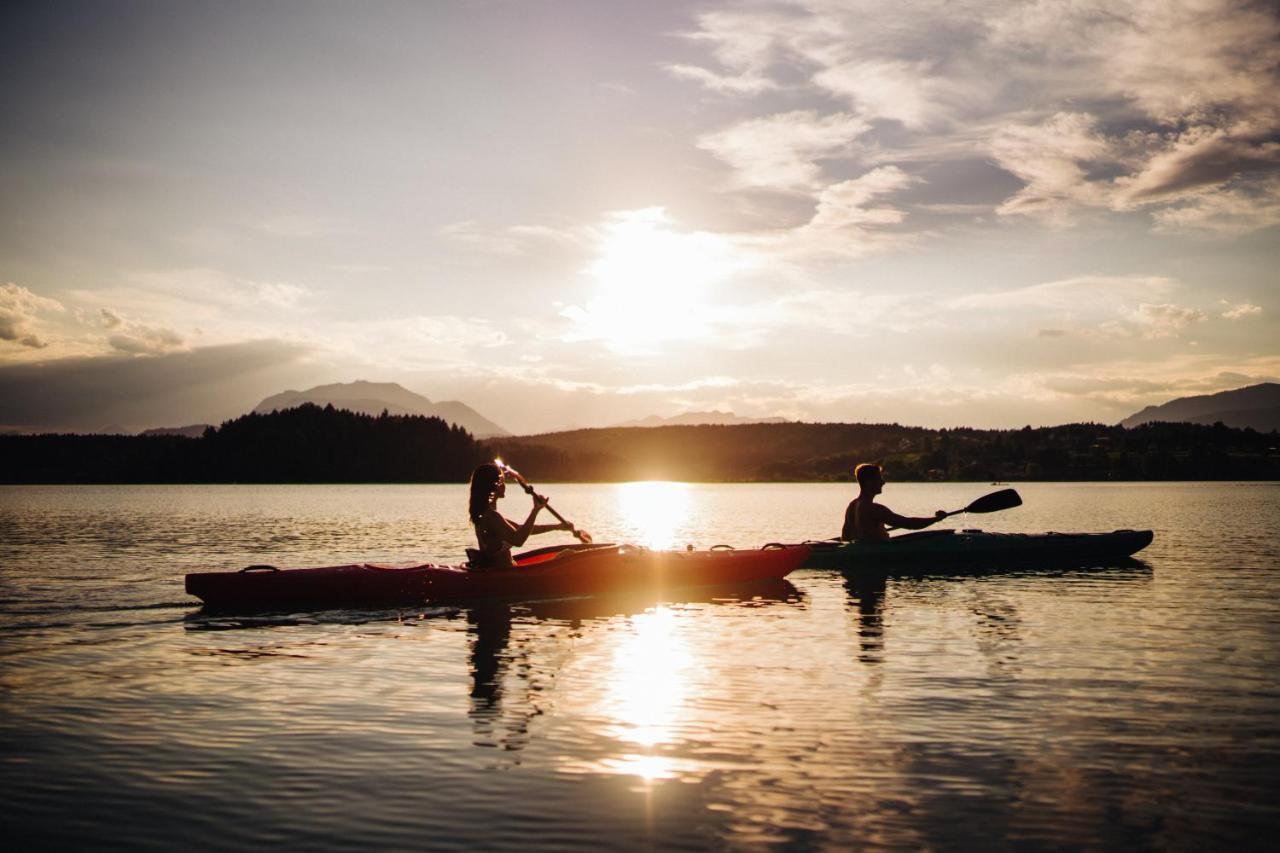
[996, 501]
[583, 536]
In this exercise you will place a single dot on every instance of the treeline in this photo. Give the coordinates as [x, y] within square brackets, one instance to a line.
[303, 445]
[818, 452]
[313, 445]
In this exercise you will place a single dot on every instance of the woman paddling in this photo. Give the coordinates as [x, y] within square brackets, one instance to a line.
[496, 535]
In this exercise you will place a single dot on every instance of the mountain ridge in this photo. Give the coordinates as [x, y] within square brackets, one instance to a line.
[715, 417]
[373, 398]
[1251, 407]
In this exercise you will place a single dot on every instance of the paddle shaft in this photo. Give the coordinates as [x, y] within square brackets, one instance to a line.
[994, 502]
[580, 535]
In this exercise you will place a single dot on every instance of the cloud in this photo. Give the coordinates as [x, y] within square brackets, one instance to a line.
[1051, 158]
[782, 151]
[202, 385]
[1091, 306]
[1077, 293]
[746, 42]
[208, 287]
[19, 310]
[145, 340]
[888, 89]
[512, 240]
[1203, 157]
[1164, 319]
[847, 223]
[742, 84]
[1239, 312]
[1236, 210]
[432, 343]
[1158, 106]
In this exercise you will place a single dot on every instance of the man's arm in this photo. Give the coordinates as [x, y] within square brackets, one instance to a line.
[909, 522]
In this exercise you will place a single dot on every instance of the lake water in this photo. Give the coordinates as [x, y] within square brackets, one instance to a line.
[1134, 707]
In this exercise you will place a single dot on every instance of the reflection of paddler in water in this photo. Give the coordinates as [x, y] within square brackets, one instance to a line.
[866, 591]
[489, 626]
[865, 520]
[496, 535]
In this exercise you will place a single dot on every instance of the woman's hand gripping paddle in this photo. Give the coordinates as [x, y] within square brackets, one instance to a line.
[581, 535]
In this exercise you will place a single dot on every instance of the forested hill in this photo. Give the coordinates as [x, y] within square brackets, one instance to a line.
[313, 445]
[303, 445]
[815, 452]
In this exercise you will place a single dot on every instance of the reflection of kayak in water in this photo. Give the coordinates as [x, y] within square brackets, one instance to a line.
[940, 550]
[556, 572]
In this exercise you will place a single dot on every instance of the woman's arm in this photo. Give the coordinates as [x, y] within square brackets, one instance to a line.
[549, 528]
[517, 536]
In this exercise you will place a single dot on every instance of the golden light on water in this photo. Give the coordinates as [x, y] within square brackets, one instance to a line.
[646, 684]
[655, 510]
[644, 694]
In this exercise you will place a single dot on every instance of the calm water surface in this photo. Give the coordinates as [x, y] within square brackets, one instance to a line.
[1134, 707]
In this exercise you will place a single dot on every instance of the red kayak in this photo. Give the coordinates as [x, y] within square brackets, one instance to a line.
[556, 572]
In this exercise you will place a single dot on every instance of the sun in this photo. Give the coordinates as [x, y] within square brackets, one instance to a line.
[653, 283]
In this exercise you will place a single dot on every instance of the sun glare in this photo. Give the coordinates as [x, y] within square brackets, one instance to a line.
[655, 512]
[653, 283]
[646, 688]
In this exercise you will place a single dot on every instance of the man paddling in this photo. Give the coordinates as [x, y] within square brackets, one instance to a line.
[865, 520]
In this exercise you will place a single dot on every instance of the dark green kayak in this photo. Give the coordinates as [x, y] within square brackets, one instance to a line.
[940, 550]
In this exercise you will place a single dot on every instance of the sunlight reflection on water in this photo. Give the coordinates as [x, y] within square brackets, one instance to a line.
[654, 510]
[1087, 708]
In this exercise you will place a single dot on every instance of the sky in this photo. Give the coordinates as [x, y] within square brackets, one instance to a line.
[573, 214]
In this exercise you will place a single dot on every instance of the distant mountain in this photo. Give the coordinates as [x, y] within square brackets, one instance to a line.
[716, 418]
[372, 398]
[1254, 406]
[190, 431]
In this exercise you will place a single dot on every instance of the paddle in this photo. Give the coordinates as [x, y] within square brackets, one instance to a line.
[994, 502]
[582, 535]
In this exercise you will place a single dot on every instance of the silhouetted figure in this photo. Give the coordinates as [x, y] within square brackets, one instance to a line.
[866, 591]
[865, 520]
[496, 535]
[490, 626]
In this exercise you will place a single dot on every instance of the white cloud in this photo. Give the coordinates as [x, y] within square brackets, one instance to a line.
[742, 84]
[209, 287]
[889, 89]
[137, 339]
[1236, 210]
[434, 343]
[19, 315]
[512, 240]
[782, 151]
[1079, 293]
[1091, 306]
[1244, 309]
[847, 222]
[1160, 105]
[1164, 319]
[1051, 157]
